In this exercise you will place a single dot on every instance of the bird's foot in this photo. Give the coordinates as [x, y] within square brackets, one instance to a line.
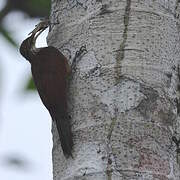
[81, 51]
[78, 56]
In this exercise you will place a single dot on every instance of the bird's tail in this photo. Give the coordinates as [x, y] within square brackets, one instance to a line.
[64, 130]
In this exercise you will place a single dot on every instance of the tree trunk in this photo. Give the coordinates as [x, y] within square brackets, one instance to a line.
[123, 97]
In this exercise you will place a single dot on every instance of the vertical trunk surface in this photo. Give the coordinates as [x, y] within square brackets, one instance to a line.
[124, 93]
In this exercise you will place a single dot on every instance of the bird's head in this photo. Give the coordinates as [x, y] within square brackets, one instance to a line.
[27, 48]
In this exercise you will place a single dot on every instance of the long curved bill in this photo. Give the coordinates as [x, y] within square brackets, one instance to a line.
[41, 26]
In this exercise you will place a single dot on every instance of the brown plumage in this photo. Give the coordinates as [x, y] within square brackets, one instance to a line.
[50, 71]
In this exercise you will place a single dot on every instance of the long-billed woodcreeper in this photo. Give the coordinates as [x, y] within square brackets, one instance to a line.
[50, 70]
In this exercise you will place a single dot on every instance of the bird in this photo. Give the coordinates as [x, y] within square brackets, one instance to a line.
[50, 72]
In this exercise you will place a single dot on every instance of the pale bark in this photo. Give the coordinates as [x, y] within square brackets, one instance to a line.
[123, 95]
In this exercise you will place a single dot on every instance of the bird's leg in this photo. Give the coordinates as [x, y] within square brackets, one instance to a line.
[74, 62]
[77, 56]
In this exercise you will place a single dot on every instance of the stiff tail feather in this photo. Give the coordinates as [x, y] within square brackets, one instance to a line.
[65, 134]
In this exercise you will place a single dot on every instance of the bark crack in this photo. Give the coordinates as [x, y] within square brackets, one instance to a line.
[176, 13]
[126, 23]
[111, 129]
[119, 59]
[178, 92]
[120, 55]
[129, 49]
[109, 175]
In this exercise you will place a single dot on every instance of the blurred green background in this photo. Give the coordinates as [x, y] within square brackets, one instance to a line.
[31, 8]
[23, 13]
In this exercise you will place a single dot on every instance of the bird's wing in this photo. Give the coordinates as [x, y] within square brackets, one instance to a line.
[50, 77]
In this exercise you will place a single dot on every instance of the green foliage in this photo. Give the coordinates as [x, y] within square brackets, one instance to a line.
[43, 5]
[8, 36]
[30, 85]
[34, 8]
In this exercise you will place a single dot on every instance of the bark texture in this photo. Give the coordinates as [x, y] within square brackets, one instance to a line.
[123, 97]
